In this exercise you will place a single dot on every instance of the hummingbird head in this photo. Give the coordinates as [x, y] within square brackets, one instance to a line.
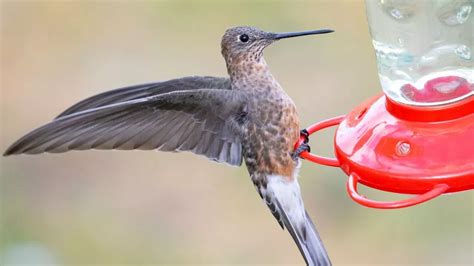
[246, 43]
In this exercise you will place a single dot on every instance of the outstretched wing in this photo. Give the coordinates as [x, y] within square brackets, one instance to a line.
[202, 121]
[148, 90]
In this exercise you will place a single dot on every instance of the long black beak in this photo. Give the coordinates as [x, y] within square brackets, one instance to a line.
[283, 35]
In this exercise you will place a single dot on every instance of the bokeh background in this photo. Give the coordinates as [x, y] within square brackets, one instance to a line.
[130, 208]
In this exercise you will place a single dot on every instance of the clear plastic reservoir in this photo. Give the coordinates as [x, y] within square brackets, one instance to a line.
[424, 49]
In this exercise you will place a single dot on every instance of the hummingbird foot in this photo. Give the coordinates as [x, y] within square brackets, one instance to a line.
[305, 134]
[303, 147]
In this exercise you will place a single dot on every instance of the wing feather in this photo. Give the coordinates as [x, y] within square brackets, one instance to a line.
[197, 120]
[146, 90]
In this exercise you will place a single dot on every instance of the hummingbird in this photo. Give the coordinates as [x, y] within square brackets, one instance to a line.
[244, 117]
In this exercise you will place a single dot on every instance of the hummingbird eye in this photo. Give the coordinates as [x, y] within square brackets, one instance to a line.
[244, 38]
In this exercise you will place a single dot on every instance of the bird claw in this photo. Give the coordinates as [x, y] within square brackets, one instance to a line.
[304, 133]
[303, 147]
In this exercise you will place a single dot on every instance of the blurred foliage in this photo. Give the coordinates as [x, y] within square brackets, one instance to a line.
[112, 207]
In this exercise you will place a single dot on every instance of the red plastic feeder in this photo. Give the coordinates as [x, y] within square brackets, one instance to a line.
[418, 138]
[400, 148]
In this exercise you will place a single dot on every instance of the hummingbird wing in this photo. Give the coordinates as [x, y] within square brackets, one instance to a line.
[201, 121]
[147, 90]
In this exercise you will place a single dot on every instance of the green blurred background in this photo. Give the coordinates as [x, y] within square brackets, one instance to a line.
[129, 208]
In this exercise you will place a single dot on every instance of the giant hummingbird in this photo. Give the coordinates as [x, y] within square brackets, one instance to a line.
[245, 117]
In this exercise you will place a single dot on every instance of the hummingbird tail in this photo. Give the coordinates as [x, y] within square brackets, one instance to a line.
[285, 198]
[315, 245]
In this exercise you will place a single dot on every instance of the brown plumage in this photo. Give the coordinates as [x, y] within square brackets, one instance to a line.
[247, 116]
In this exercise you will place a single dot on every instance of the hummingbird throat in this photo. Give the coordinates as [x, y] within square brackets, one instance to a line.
[249, 71]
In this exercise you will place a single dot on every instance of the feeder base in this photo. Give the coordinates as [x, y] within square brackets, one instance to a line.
[405, 149]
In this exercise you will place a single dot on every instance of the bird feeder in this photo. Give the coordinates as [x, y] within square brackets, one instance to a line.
[418, 136]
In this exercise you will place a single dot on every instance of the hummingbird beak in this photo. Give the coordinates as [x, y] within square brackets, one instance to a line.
[283, 35]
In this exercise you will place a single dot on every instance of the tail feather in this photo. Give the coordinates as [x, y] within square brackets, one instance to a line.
[285, 198]
[308, 241]
[313, 242]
